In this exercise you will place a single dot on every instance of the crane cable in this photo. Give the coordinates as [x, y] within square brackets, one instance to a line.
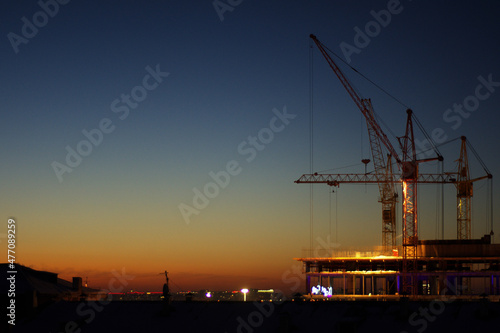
[379, 119]
[365, 77]
[436, 229]
[391, 96]
[490, 185]
[311, 144]
[429, 139]
[478, 158]
[439, 145]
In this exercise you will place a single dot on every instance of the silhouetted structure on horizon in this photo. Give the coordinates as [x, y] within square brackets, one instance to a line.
[34, 288]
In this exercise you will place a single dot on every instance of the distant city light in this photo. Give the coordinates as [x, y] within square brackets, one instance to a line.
[209, 294]
[244, 291]
[266, 291]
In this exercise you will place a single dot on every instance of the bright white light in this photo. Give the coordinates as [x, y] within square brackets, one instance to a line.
[209, 294]
[327, 292]
[244, 291]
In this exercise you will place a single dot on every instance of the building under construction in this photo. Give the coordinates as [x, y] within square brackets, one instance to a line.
[464, 267]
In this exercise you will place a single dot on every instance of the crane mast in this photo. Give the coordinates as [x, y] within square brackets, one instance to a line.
[389, 199]
[465, 192]
[388, 195]
[410, 231]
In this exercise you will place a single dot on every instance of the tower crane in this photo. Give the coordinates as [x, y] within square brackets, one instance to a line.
[408, 166]
[465, 192]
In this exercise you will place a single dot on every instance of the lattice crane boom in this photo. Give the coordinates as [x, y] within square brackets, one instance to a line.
[370, 178]
[364, 105]
[377, 137]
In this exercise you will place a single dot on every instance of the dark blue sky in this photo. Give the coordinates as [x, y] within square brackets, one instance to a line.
[225, 78]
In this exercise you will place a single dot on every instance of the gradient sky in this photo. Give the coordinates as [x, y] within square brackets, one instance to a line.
[119, 208]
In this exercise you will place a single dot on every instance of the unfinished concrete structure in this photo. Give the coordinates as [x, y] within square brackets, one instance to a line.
[464, 268]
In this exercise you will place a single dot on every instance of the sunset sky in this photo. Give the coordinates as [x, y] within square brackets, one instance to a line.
[175, 93]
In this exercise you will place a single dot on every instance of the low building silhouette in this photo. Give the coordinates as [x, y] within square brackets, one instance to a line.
[34, 288]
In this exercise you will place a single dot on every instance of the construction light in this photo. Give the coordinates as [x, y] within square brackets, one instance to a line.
[244, 291]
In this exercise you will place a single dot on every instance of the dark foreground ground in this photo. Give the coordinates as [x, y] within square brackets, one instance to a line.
[339, 316]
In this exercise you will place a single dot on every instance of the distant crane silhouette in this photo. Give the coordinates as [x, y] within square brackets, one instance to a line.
[166, 296]
[166, 288]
